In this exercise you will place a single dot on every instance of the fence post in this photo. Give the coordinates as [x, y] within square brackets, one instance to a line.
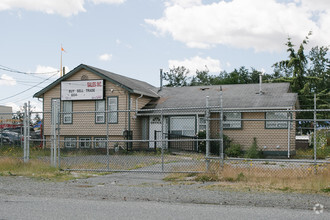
[58, 141]
[315, 125]
[108, 154]
[221, 130]
[162, 138]
[54, 122]
[289, 133]
[207, 136]
[25, 133]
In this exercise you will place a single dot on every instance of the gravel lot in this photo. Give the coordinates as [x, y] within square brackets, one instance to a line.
[151, 187]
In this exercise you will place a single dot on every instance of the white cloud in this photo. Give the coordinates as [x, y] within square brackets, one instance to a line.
[105, 57]
[64, 8]
[263, 25]
[36, 106]
[6, 80]
[197, 63]
[47, 70]
[109, 1]
[183, 3]
[14, 106]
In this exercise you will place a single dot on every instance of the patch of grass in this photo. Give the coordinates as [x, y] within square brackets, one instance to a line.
[326, 190]
[321, 153]
[15, 151]
[34, 168]
[240, 176]
[207, 177]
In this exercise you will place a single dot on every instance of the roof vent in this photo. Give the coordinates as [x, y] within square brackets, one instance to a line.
[84, 77]
[203, 89]
[260, 83]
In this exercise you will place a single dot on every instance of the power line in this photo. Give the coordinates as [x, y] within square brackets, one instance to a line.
[29, 88]
[16, 71]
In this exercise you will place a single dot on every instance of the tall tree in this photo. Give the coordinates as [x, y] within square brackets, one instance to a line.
[177, 77]
[201, 78]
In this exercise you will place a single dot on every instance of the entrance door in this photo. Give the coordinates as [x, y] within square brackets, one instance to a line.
[155, 131]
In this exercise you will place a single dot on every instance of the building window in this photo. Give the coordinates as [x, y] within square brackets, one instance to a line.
[67, 110]
[70, 142]
[100, 142]
[144, 129]
[202, 124]
[55, 104]
[277, 116]
[229, 117]
[182, 125]
[113, 108]
[100, 112]
[85, 142]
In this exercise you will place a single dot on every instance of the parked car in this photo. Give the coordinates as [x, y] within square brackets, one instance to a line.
[14, 137]
[4, 140]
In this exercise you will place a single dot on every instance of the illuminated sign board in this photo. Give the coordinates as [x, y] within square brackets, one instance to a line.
[82, 90]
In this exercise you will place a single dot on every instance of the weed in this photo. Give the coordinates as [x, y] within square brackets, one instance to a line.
[253, 151]
[234, 150]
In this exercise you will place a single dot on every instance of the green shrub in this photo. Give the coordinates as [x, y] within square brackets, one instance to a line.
[214, 145]
[234, 150]
[253, 151]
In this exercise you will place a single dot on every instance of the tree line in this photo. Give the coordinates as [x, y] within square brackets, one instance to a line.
[307, 72]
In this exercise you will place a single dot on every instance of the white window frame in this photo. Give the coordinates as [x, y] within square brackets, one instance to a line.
[86, 141]
[70, 142]
[113, 116]
[100, 142]
[228, 123]
[67, 112]
[276, 124]
[183, 128]
[201, 124]
[100, 112]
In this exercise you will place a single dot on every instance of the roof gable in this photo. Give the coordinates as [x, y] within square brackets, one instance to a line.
[129, 84]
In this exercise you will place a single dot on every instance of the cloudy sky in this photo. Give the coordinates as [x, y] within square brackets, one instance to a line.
[136, 38]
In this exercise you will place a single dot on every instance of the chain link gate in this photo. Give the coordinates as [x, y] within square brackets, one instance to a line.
[175, 140]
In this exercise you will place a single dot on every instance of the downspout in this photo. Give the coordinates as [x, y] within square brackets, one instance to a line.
[129, 111]
[137, 104]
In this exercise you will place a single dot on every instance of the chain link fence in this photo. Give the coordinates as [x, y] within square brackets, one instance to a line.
[205, 139]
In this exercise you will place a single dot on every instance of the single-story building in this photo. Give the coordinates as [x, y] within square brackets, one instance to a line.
[6, 116]
[136, 109]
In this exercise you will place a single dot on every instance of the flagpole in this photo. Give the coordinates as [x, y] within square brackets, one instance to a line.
[61, 60]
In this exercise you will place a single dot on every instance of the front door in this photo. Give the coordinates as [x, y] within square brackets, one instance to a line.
[155, 131]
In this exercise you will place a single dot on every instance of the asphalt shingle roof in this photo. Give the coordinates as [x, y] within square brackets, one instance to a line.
[240, 96]
[133, 85]
[137, 86]
[236, 96]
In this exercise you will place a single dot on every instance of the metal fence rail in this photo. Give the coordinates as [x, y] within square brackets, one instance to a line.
[203, 139]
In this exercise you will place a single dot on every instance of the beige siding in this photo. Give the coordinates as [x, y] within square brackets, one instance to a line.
[267, 139]
[84, 121]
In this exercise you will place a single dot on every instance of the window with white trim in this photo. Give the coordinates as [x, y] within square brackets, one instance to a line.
[182, 125]
[113, 108]
[228, 122]
[202, 124]
[100, 142]
[70, 142]
[100, 111]
[67, 110]
[85, 142]
[277, 116]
